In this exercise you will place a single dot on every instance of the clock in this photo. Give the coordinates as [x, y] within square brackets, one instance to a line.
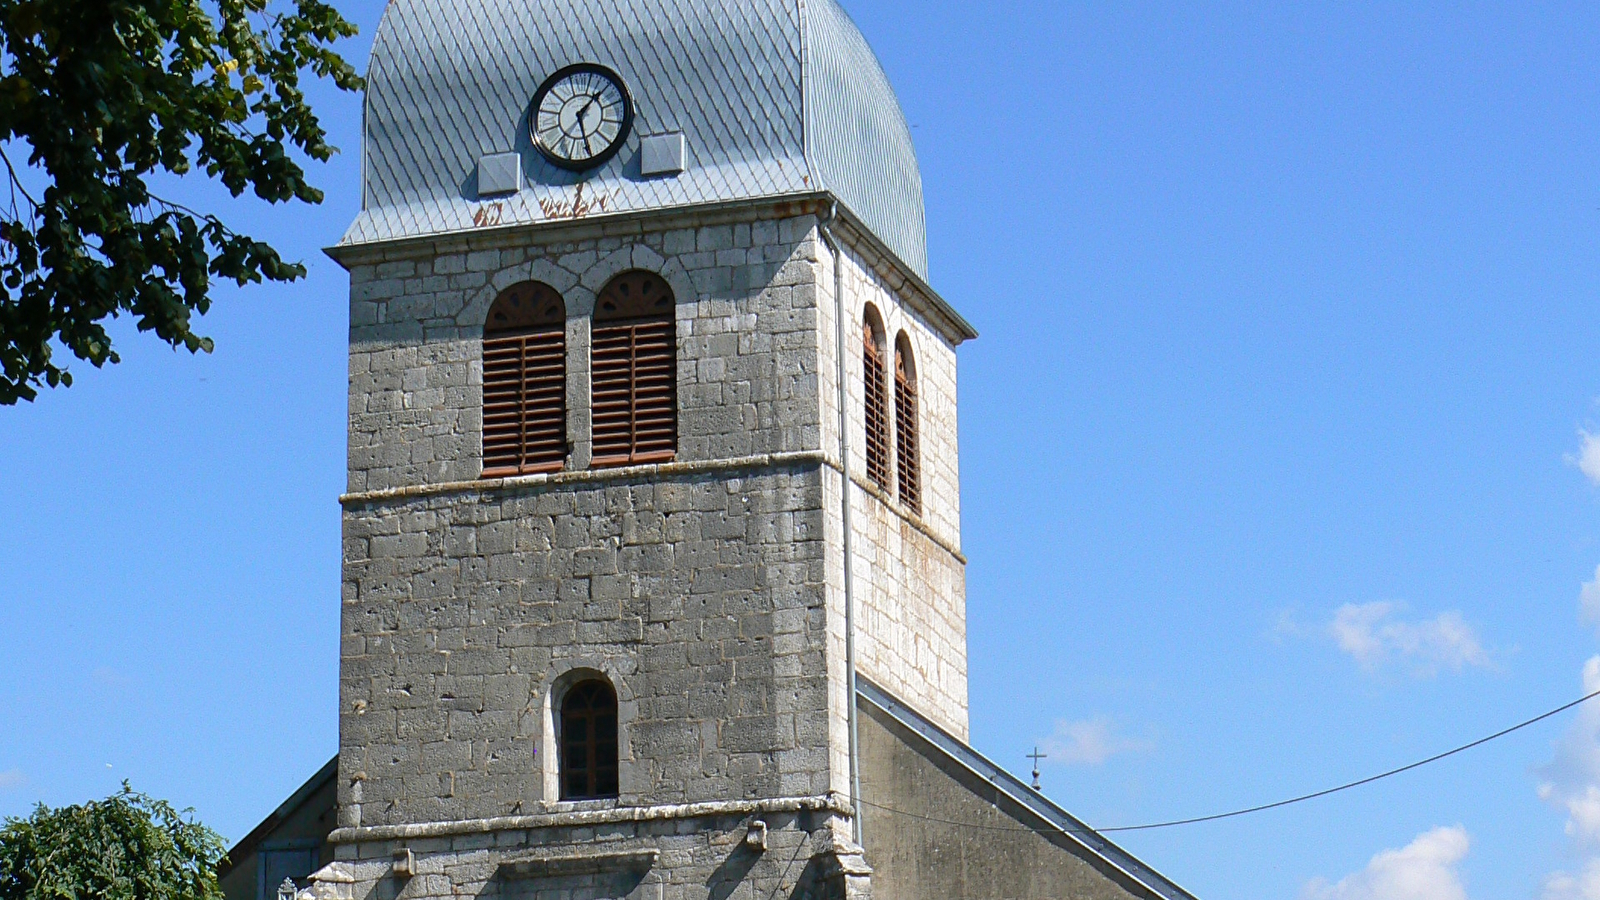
[581, 115]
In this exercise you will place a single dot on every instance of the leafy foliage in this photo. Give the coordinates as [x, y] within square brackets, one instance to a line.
[101, 94]
[126, 847]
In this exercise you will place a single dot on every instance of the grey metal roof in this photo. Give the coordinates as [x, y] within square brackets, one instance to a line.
[775, 97]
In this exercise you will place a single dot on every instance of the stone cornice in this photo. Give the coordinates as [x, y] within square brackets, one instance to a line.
[625, 224]
[909, 286]
[582, 477]
[832, 802]
[587, 477]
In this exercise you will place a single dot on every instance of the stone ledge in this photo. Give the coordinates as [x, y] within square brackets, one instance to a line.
[630, 223]
[581, 862]
[831, 803]
[658, 470]
[588, 476]
[894, 506]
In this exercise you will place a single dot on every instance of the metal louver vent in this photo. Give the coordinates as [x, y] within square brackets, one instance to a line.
[905, 423]
[525, 382]
[634, 369]
[877, 407]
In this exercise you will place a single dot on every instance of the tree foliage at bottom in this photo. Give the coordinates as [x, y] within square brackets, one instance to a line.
[126, 847]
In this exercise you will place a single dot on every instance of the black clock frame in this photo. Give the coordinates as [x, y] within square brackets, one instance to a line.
[603, 156]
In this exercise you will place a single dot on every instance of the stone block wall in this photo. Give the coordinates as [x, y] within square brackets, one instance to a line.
[911, 615]
[909, 574]
[935, 357]
[699, 596]
[707, 590]
[747, 355]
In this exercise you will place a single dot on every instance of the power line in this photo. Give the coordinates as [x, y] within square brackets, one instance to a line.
[1265, 806]
[1365, 781]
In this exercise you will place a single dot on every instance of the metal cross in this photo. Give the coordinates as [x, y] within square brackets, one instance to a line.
[1036, 756]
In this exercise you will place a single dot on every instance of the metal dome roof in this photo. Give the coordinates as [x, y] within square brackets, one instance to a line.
[774, 97]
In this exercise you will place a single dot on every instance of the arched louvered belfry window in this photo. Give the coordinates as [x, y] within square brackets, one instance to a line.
[589, 742]
[873, 356]
[906, 443]
[634, 371]
[525, 382]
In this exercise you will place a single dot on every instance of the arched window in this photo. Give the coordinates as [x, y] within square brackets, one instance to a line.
[873, 356]
[525, 382]
[635, 371]
[905, 425]
[589, 742]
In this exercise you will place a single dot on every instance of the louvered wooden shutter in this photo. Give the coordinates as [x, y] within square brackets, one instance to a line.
[877, 404]
[634, 370]
[905, 422]
[525, 382]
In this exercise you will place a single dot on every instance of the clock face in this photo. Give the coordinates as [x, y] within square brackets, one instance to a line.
[581, 116]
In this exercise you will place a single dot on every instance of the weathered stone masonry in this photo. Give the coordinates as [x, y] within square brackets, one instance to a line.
[747, 352]
[707, 590]
[700, 597]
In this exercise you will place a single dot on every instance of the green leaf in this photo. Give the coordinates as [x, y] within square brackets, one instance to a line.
[100, 95]
[126, 847]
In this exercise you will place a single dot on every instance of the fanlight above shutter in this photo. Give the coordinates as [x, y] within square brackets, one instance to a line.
[525, 382]
[634, 369]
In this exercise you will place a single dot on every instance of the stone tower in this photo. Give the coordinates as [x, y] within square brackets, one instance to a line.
[653, 584]
[749, 159]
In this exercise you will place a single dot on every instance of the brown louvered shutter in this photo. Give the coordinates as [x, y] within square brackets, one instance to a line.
[905, 423]
[525, 382]
[634, 370]
[877, 403]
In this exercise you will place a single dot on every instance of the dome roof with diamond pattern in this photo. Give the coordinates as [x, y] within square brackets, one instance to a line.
[774, 98]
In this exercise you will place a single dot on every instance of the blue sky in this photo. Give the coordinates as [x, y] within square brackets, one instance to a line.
[1272, 450]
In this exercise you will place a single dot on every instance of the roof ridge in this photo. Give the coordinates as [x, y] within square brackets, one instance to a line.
[1018, 790]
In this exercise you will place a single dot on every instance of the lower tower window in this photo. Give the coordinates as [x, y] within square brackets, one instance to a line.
[589, 742]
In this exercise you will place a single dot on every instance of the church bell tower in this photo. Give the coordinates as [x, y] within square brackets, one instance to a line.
[652, 453]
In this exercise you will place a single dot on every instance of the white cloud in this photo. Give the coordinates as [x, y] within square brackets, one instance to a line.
[1589, 599]
[1426, 869]
[11, 779]
[1583, 815]
[1089, 743]
[1571, 783]
[1562, 886]
[1371, 634]
[1588, 458]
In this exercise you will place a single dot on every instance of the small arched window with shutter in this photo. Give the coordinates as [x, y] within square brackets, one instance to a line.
[589, 742]
[525, 382]
[634, 371]
[873, 357]
[906, 424]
